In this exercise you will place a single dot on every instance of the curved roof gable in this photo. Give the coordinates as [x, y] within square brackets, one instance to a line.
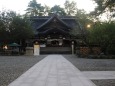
[55, 23]
[53, 18]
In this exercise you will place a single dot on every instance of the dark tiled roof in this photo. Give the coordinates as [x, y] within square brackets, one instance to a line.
[69, 21]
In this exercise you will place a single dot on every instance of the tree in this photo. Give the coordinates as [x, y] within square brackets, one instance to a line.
[104, 6]
[103, 34]
[20, 29]
[70, 7]
[46, 10]
[3, 32]
[84, 18]
[35, 9]
[14, 27]
[58, 10]
[6, 18]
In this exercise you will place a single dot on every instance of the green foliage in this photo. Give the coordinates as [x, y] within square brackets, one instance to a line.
[83, 18]
[21, 28]
[46, 10]
[103, 6]
[34, 9]
[70, 7]
[3, 32]
[5, 20]
[14, 27]
[102, 34]
[58, 10]
[111, 49]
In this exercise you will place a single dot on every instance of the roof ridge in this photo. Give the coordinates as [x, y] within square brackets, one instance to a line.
[51, 18]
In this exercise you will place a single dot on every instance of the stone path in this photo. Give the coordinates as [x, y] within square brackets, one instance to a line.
[54, 70]
[99, 74]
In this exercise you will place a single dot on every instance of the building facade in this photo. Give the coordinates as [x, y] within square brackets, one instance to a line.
[53, 33]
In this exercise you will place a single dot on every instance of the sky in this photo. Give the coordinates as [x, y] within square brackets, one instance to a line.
[21, 5]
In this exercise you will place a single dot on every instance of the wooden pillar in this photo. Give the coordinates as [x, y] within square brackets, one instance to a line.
[72, 46]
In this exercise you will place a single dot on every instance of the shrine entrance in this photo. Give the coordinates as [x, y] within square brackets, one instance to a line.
[53, 33]
[54, 42]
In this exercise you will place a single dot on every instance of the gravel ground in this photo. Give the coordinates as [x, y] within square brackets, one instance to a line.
[107, 82]
[11, 67]
[85, 64]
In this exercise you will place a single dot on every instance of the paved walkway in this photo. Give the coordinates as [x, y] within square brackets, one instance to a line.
[99, 74]
[54, 70]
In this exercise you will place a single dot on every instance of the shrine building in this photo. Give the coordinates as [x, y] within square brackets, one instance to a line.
[53, 33]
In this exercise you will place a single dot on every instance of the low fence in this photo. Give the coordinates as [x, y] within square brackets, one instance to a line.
[86, 51]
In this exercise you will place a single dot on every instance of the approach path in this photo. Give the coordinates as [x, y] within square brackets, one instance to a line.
[54, 70]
